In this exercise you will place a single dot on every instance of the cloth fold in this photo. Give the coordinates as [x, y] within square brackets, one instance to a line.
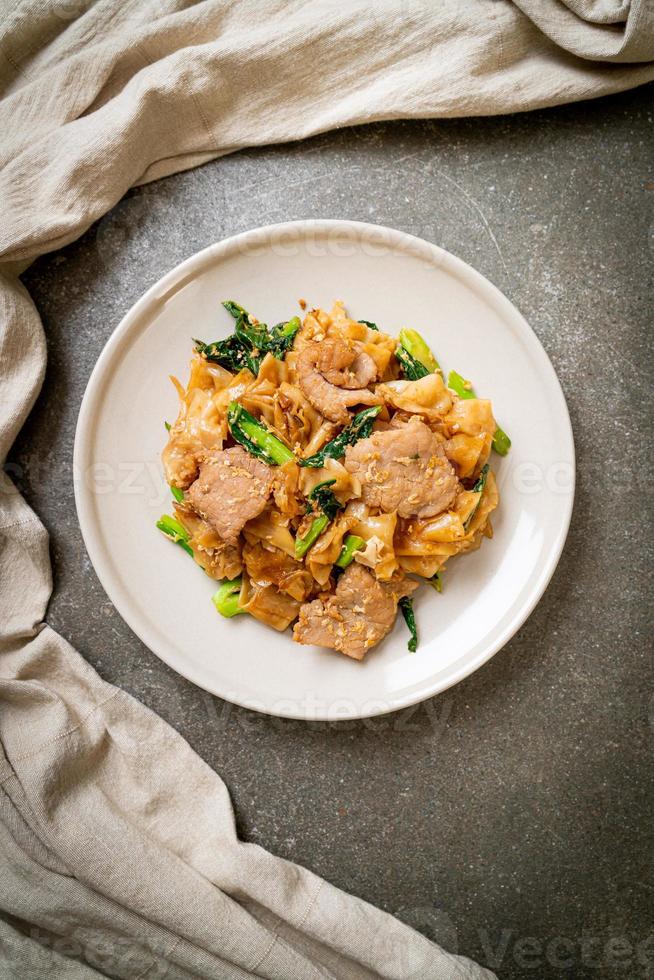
[601, 30]
[119, 852]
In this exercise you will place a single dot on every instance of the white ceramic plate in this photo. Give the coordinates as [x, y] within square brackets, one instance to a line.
[395, 280]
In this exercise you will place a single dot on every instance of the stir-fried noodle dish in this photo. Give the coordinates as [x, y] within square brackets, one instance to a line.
[321, 469]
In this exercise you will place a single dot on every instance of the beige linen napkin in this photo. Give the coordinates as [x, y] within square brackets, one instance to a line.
[118, 849]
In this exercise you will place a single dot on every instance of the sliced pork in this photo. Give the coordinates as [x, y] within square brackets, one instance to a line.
[404, 470]
[231, 489]
[334, 376]
[357, 616]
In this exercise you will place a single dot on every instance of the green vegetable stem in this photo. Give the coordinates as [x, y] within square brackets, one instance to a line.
[415, 356]
[226, 599]
[351, 544]
[174, 530]
[254, 437]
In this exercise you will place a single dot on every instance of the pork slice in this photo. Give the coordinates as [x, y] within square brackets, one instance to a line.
[404, 470]
[231, 489]
[356, 617]
[333, 377]
[359, 373]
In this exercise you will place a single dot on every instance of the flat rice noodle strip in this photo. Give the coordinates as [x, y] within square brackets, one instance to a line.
[272, 527]
[268, 605]
[382, 527]
[270, 566]
[426, 567]
[201, 423]
[199, 426]
[447, 526]
[430, 537]
[313, 328]
[427, 397]
[217, 558]
[297, 421]
[260, 402]
[468, 453]
[273, 371]
[237, 387]
[286, 491]
[208, 376]
[325, 431]
[465, 504]
[472, 416]
[489, 501]
[346, 487]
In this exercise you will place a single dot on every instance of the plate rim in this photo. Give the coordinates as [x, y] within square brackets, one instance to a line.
[83, 445]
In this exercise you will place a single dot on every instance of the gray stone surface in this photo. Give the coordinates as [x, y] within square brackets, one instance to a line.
[510, 817]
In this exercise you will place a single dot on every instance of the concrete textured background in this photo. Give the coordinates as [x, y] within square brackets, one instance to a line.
[510, 818]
